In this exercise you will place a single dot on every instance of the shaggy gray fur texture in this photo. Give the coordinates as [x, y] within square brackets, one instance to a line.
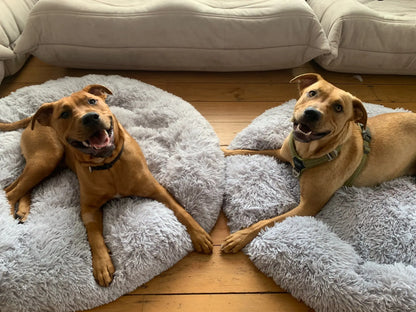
[45, 264]
[358, 254]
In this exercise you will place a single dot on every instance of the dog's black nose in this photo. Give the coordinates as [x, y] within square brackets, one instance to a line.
[311, 115]
[90, 119]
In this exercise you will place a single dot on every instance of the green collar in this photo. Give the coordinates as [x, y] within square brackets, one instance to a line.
[300, 164]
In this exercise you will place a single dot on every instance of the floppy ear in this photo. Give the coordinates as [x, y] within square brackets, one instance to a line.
[43, 115]
[97, 90]
[360, 114]
[305, 80]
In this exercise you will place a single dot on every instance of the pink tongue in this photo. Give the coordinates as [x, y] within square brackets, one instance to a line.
[100, 139]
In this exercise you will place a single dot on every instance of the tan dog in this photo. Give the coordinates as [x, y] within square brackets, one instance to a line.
[107, 161]
[327, 140]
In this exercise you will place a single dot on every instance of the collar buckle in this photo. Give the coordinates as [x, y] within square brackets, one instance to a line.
[332, 155]
[298, 166]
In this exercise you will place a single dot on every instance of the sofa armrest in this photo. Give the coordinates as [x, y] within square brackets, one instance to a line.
[13, 16]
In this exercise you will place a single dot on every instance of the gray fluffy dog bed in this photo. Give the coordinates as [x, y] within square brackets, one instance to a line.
[45, 264]
[358, 254]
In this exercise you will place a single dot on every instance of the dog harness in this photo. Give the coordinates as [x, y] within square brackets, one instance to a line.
[365, 132]
[107, 165]
[300, 164]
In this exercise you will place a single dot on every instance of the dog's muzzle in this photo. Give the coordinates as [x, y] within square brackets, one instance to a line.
[303, 128]
[101, 141]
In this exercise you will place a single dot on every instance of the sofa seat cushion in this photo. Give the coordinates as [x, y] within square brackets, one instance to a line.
[13, 16]
[203, 35]
[368, 36]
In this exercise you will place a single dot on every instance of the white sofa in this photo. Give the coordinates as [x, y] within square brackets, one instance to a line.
[13, 17]
[360, 36]
[368, 36]
[213, 35]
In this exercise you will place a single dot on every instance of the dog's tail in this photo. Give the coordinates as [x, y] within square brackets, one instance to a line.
[15, 125]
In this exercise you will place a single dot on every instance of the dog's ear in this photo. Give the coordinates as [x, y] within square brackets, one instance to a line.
[360, 114]
[97, 90]
[43, 115]
[305, 80]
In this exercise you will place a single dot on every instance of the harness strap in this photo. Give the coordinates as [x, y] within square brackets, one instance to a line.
[300, 164]
[365, 132]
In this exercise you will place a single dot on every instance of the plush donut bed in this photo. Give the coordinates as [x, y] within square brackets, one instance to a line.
[45, 263]
[358, 254]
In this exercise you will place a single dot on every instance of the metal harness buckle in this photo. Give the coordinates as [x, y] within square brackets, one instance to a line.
[332, 155]
[298, 167]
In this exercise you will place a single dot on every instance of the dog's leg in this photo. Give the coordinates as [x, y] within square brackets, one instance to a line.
[283, 154]
[103, 268]
[152, 189]
[24, 208]
[18, 193]
[314, 195]
[42, 152]
[228, 152]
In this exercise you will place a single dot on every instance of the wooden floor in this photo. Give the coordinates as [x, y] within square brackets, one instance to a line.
[229, 101]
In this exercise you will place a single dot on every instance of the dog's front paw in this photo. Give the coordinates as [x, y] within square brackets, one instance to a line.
[22, 211]
[103, 270]
[201, 241]
[236, 241]
[228, 152]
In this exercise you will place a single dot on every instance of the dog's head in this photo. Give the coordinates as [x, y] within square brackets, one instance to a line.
[82, 120]
[323, 110]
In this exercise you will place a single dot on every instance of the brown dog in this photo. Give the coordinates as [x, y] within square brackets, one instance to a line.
[107, 161]
[328, 149]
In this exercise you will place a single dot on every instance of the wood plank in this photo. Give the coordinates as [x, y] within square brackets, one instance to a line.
[206, 303]
[216, 273]
[220, 230]
[279, 93]
[235, 111]
[226, 131]
[46, 72]
[7, 87]
[243, 91]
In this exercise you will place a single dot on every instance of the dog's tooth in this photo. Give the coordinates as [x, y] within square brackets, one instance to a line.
[85, 143]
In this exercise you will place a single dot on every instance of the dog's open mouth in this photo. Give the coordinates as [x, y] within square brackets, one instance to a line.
[100, 144]
[303, 133]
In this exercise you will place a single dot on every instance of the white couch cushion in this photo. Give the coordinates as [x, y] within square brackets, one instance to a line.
[369, 36]
[174, 35]
[13, 15]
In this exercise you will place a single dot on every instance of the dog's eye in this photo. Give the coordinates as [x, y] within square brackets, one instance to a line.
[312, 93]
[65, 115]
[338, 107]
[92, 101]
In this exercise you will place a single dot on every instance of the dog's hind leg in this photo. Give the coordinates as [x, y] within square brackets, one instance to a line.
[43, 152]
[23, 208]
[18, 193]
